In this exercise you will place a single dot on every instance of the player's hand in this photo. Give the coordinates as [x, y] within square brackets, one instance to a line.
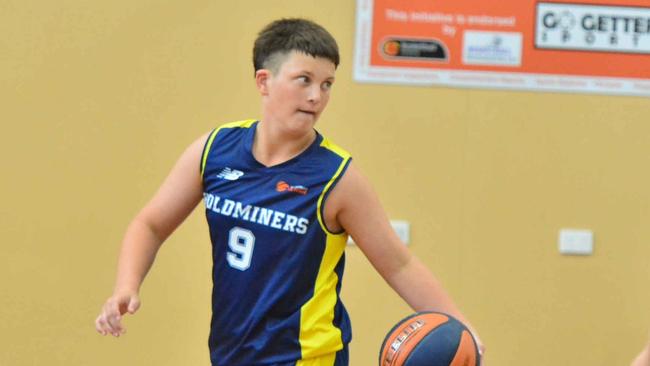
[109, 320]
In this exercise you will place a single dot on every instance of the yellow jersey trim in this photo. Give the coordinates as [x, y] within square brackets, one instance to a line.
[319, 338]
[346, 157]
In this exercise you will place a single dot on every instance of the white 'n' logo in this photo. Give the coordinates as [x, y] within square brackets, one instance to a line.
[230, 174]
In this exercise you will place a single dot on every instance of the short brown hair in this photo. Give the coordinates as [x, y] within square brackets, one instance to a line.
[285, 35]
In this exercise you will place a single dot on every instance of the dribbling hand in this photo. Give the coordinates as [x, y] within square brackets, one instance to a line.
[109, 320]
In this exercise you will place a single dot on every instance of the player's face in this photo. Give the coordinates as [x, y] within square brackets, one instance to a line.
[298, 92]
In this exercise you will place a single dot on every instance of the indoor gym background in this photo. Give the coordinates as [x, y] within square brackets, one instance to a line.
[100, 98]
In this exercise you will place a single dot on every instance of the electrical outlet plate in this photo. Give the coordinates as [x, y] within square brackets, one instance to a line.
[402, 229]
[576, 242]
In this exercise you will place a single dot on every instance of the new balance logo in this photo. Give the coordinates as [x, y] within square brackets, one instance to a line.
[230, 174]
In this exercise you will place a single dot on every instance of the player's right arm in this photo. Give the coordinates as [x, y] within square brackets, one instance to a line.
[178, 195]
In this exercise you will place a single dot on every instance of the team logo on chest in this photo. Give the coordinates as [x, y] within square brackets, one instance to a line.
[275, 219]
[230, 174]
[283, 186]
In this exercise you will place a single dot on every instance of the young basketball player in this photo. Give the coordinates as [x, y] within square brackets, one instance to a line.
[280, 200]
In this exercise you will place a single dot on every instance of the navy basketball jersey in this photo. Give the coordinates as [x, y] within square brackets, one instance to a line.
[276, 267]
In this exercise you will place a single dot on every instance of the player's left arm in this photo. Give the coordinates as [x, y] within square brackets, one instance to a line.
[355, 207]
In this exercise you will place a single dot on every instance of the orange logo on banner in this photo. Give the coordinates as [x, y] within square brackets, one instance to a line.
[391, 48]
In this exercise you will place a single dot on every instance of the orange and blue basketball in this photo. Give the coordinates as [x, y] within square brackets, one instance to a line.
[429, 339]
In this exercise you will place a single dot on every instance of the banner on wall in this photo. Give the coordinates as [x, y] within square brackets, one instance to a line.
[590, 46]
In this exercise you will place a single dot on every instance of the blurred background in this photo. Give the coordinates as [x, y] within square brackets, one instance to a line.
[98, 99]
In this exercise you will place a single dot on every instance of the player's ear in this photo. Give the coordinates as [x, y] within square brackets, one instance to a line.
[262, 77]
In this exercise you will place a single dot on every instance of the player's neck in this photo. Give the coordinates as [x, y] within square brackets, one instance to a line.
[272, 147]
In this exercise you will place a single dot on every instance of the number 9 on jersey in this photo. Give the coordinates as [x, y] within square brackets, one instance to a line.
[241, 243]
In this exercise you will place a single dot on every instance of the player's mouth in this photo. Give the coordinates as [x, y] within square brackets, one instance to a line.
[311, 113]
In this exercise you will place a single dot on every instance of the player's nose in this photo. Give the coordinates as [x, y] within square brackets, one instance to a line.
[315, 95]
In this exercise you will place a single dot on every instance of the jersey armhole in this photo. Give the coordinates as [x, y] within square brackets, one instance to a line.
[247, 123]
[206, 150]
[328, 188]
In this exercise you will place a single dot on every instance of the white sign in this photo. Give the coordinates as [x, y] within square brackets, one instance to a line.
[623, 29]
[491, 48]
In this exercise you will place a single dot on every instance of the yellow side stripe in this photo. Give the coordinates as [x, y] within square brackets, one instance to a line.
[327, 360]
[318, 335]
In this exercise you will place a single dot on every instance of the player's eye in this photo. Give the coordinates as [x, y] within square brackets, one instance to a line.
[327, 85]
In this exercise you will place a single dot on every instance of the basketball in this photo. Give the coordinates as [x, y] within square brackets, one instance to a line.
[429, 339]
